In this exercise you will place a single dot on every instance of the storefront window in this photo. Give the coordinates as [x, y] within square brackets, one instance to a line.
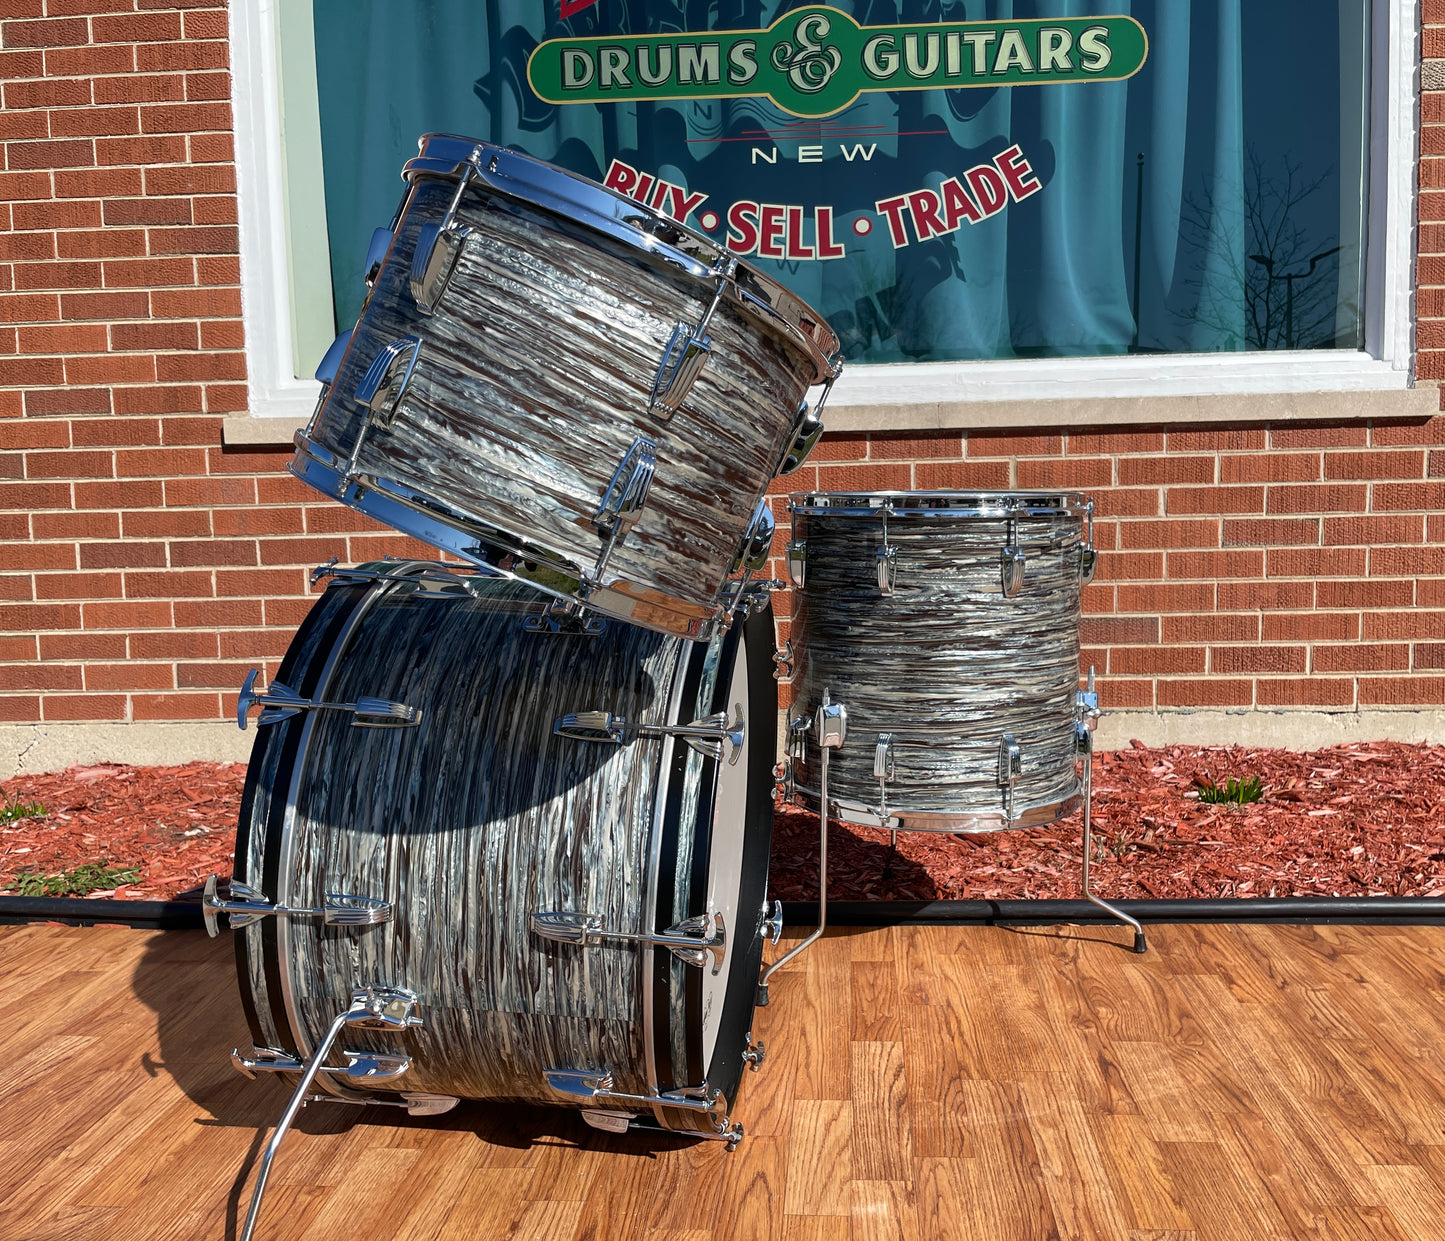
[975, 180]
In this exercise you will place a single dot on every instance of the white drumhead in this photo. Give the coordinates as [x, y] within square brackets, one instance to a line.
[725, 859]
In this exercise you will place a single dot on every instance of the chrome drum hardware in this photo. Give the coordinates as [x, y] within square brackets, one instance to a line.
[526, 331]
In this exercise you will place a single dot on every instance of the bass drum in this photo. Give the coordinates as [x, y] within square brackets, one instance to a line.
[527, 868]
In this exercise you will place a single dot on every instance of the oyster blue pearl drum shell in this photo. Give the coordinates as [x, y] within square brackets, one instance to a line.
[486, 401]
[479, 816]
[904, 619]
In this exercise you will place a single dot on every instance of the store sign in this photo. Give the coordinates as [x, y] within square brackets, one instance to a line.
[817, 61]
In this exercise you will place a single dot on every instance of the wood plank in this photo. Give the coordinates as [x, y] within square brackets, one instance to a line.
[819, 1158]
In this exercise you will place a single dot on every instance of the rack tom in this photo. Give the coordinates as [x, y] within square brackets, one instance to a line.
[558, 383]
[947, 624]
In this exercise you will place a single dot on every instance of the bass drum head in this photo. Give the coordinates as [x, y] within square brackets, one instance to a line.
[481, 816]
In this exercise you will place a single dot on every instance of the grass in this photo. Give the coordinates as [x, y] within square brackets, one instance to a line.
[12, 811]
[83, 880]
[1232, 791]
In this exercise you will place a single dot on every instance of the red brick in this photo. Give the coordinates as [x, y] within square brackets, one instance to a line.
[24, 617]
[210, 491]
[1428, 431]
[147, 273]
[136, 28]
[1401, 626]
[1234, 660]
[224, 334]
[254, 644]
[1195, 500]
[306, 551]
[1013, 444]
[115, 431]
[1275, 467]
[220, 269]
[84, 62]
[210, 675]
[1153, 660]
[128, 614]
[20, 557]
[191, 430]
[906, 447]
[1318, 435]
[1156, 471]
[82, 587]
[40, 676]
[180, 57]
[207, 25]
[1375, 464]
[1429, 655]
[61, 275]
[226, 398]
[212, 149]
[148, 149]
[72, 153]
[34, 433]
[129, 676]
[55, 32]
[380, 546]
[1113, 443]
[208, 86]
[15, 125]
[1214, 692]
[69, 464]
[288, 613]
[174, 644]
[76, 525]
[19, 710]
[206, 553]
[1390, 497]
[95, 122]
[196, 303]
[195, 239]
[159, 462]
[120, 211]
[47, 93]
[30, 496]
[169, 584]
[31, 370]
[1369, 593]
[1271, 531]
[1366, 531]
[1218, 439]
[118, 495]
[222, 613]
[79, 707]
[1362, 658]
[97, 182]
[175, 706]
[103, 243]
[76, 213]
[1068, 473]
[140, 88]
[26, 247]
[1401, 691]
[158, 399]
[1131, 567]
[105, 306]
[190, 179]
[82, 646]
[1305, 692]
[1406, 562]
[284, 489]
[1272, 596]
[185, 118]
[1430, 593]
[1208, 565]
[129, 554]
[1315, 562]
[155, 334]
[1212, 627]
[28, 307]
[1173, 597]
[167, 523]
[1317, 499]
[24, 64]
[331, 519]
[962, 475]
[179, 367]
[1120, 630]
[111, 368]
[63, 338]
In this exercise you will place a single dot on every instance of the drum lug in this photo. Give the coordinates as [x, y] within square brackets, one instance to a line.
[783, 661]
[281, 702]
[1086, 701]
[362, 1067]
[755, 1053]
[706, 735]
[883, 772]
[831, 723]
[807, 430]
[245, 905]
[1010, 768]
[624, 498]
[331, 361]
[698, 941]
[798, 729]
[375, 256]
[1088, 563]
[798, 563]
[387, 378]
[1012, 561]
[688, 349]
[565, 617]
[266, 1060]
[438, 248]
[757, 544]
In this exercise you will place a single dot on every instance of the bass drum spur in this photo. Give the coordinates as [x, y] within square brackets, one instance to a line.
[947, 625]
[543, 854]
[560, 384]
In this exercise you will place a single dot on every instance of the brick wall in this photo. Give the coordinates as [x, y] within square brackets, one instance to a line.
[144, 567]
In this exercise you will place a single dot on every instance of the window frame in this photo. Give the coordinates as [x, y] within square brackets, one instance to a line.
[904, 396]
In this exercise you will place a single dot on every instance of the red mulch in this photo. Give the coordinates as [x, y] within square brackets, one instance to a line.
[1351, 820]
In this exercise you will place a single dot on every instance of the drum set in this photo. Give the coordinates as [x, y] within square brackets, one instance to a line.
[506, 823]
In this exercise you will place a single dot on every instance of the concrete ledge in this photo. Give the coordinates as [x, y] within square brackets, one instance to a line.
[33, 748]
[1284, 730]
[260, 432]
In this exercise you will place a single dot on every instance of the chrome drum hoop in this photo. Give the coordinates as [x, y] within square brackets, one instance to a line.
[948, 624]
[595, 396]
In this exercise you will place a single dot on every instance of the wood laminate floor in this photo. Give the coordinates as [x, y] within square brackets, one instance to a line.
[1235, 1082]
